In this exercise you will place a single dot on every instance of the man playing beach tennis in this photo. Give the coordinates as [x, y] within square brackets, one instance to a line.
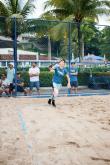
[59, 72]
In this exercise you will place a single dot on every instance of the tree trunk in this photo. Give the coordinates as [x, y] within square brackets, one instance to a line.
[49, 48]
[82, 46]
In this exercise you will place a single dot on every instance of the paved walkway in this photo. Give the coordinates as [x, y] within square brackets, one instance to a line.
[82, 91]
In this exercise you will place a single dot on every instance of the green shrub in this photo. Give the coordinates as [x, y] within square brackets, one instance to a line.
[83, 78]
[2, 70]
[46, 77]
[25, 77]
[101, 74]
[44, 69]
[95, 69]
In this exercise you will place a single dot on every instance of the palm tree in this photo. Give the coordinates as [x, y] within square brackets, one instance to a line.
[14, 9]
[77, 11]
[105, 42]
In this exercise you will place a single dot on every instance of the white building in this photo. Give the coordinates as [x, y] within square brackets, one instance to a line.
[24, 58]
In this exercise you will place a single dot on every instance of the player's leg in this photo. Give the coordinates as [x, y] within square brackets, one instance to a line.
[55, 94]
[56, 88]
[52, 99]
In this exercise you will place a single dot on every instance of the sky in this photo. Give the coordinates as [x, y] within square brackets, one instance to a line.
[39, 4]
[103, 20]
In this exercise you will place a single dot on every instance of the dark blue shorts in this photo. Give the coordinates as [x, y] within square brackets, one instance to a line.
[20, 89]
[35, 84]
[74, 83]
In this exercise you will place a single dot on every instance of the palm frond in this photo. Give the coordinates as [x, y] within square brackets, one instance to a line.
[3, 9]
[28, 8]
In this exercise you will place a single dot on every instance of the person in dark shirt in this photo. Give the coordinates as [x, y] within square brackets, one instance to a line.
[20, 84]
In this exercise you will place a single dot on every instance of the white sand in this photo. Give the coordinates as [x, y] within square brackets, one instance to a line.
[77, 132]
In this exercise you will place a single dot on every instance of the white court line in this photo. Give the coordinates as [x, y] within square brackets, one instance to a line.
[65, 95]
[24, 129]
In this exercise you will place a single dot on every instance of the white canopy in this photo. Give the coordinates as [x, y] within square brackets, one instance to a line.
[6, 51]
[91, 58]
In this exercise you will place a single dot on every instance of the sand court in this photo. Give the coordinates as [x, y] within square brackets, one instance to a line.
[76, 132]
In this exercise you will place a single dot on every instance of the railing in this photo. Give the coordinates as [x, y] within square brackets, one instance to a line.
[46, 63]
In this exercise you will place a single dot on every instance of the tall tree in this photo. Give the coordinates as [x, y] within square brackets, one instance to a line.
[77, 11]
[105, 42]
[15, 8]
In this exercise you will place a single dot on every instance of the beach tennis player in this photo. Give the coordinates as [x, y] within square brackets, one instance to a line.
[59, 72]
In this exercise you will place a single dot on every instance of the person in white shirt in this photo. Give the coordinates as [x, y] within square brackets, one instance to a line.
[34, 72]
[10, 75]
[10, 72]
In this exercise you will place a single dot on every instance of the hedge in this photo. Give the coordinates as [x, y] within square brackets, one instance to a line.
[46, 77]
[2, 70]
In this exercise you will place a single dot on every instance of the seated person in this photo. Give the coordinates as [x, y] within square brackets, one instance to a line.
[4, 85]
[20, 85]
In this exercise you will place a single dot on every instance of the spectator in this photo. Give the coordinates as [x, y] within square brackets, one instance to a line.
[20, 84]
[10, 76]
[34, 72]
[73, 77]
[4, 85]
[10, 73]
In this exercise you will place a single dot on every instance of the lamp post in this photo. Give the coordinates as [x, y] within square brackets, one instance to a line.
[79, 44]
[69, 46]
[15, 52]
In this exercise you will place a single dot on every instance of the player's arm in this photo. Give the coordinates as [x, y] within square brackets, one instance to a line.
[68, 79]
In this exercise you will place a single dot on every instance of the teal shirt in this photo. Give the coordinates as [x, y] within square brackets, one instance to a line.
[72, 76]
[10, 74]
[59, 74]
